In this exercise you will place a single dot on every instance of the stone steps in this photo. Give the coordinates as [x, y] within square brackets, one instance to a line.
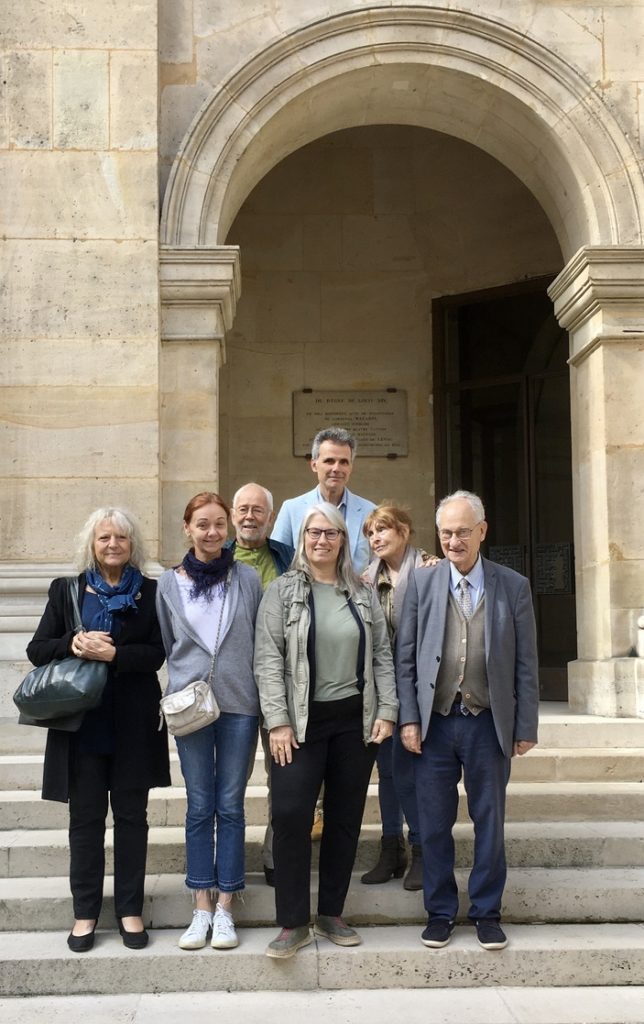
[532, 895]
[526, 801]
[390, 957]
[558, 728]
[484, 1005]
[587, 764]
[553, 844]
[575, 844]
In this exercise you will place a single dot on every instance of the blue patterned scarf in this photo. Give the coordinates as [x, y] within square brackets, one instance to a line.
[114, 599]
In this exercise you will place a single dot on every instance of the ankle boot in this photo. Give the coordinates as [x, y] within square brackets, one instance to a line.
[414, 877]
[391, 863]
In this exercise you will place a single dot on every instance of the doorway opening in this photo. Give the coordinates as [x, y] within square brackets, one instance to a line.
[502, 429]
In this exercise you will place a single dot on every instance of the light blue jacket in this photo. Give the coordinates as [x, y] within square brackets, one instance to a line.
[188, 660]
[288, 522]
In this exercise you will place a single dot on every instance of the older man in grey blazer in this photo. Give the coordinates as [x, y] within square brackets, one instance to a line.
[467, 678]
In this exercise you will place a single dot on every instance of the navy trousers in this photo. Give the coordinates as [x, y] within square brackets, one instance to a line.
[462, 744]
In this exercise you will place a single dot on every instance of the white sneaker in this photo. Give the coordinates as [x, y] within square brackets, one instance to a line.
[224, 935]
[196, 933]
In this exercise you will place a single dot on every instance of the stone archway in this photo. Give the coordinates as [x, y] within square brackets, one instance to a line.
[470, 76]
[486, 83]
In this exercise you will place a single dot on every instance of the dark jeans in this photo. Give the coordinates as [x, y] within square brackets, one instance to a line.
[335, 755]
[397, 789]
[88, 802]
[458, 743]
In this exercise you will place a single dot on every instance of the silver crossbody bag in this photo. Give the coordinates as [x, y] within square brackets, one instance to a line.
[194, 706]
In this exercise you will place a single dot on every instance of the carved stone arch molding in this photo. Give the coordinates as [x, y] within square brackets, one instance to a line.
[470, 76]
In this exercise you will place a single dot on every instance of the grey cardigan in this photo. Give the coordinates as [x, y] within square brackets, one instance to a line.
[281, 662]
[188, 660]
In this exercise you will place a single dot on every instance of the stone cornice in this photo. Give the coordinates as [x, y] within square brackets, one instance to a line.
[199, 291]
[599, 297]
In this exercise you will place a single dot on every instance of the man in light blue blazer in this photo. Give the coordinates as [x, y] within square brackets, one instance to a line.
[467, 676]
[332, 458]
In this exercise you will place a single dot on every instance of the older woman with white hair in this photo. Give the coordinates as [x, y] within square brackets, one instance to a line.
[325, 674]
[119, 753]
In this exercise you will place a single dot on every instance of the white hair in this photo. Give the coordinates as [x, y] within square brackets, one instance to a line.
[124, 520]
[472, 499]
[267, 494]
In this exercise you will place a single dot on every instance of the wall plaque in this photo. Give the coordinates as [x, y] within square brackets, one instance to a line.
[377, 419]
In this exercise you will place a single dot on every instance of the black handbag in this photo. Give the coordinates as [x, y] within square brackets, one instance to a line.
[63, 687]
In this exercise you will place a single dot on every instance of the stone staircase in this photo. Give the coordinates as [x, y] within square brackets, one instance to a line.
[574, 902]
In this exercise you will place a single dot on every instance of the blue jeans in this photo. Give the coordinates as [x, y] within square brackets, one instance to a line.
[397, 789]
[466, 744]
[214, 763]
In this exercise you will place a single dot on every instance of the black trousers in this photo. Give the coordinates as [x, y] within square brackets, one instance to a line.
[88, 803]
[336, 755]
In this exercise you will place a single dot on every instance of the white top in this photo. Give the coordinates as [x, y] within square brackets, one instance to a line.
[204, 615]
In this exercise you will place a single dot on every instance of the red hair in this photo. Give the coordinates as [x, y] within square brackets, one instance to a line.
[201, 499]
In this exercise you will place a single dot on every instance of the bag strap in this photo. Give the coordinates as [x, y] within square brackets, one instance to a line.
[221, 619]
[72, 590]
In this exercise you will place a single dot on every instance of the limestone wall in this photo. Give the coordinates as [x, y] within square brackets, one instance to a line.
[79, 313]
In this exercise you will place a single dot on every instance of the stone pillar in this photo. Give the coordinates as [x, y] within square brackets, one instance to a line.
[199, 292]
[599, 299]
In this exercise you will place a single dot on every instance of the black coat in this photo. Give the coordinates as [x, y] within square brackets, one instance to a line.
[140, 758]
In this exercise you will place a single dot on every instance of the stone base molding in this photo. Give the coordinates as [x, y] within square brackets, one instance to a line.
[23, 595]
[613, 688]
[599, 299]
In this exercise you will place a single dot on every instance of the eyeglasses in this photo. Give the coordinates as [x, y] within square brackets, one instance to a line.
[256, 510]
[461, 534]
[315, 534]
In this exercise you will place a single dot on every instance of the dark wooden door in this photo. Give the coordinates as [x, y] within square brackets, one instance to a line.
[502, 421]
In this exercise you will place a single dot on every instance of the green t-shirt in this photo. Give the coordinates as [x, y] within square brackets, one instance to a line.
[261, 560]
[336, 644]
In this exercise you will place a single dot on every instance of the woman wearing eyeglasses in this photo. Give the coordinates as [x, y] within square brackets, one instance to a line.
[325, 675]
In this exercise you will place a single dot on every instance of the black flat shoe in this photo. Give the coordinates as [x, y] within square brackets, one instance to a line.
[81, 943]
[269, 875]
[133, 940]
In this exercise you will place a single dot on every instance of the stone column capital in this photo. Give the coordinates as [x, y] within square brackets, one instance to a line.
[599, 297]
[199, 292]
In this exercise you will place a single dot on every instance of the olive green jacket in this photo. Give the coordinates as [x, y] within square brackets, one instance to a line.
[281, 662]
